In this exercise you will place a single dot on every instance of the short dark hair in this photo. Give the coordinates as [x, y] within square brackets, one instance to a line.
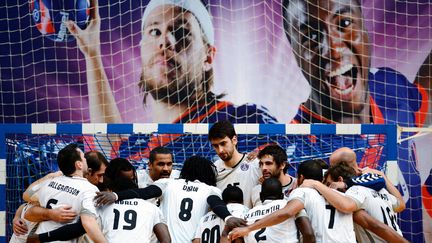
[199, 168]
[221, 130]
[116, 166]
[95, 159]
[278, 153]
[113, 170]
[271, 188]
[67, 157]
[342, 169]
[122, 183]
[311, 169]
[159, 150]
[232, 194]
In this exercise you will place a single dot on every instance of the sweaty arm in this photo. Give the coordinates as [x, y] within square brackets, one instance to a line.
[366, 221]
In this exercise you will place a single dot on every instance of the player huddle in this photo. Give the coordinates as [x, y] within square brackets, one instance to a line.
[233, 199]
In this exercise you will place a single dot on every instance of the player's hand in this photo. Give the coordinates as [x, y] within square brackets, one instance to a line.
[338, 185]
[368, 170]
[309, 183]
[88, 40]
[252, 155]
[104, 198]
[62, 214]
[33, 238]
[238, 232]
[234, 222]
[19, 227]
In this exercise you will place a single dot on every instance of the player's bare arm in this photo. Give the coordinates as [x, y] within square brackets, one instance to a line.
[290, 210]
[92, 228]
[162, 233]
[102, 105]
[18, 225]
[305, 227]
[366, 221]
[28, 193]
[63, 214]
[336, 199]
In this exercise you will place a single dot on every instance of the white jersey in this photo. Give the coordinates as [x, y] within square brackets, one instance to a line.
[211, 226]
[63, 190]
[23, 238]
[379, 205]
[283, 232]
[286, 190]
[183, 203]
[244, 175]
[129, 220]
[329, 224]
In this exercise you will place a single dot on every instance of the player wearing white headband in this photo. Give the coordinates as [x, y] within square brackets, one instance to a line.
[177, 57]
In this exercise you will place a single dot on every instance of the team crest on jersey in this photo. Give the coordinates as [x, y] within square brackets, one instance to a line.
[244, 167]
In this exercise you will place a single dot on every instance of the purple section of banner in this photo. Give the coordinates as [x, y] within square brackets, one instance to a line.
[45, 81]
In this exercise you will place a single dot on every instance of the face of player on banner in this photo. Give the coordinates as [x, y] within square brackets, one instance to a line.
[161, 166]
[224, 147]
[331, 46]
[174, 55]
[269, 167]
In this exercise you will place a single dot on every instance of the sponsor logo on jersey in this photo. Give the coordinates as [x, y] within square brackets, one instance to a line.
[244, 167]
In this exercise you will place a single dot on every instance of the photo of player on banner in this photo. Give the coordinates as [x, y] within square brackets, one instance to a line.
[245, 61]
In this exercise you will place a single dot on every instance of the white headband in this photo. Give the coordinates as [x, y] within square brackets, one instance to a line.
[194, 6]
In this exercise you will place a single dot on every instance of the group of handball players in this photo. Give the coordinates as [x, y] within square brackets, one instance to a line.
[238, 198]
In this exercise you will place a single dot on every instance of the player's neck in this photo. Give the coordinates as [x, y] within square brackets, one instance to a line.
[77, 173]
[166, 113]
[285, 179]
[235, 159]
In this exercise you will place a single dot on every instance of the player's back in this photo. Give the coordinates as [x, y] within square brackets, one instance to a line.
[183, 203]
[378, 205]
[211, 226]
[329, 224]
[129, 220]
[63, 190]
[244, 175]
[283, 232]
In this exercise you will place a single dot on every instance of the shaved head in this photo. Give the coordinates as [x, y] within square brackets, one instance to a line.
[345, 155]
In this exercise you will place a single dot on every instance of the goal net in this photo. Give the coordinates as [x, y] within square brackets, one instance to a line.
[30, 150]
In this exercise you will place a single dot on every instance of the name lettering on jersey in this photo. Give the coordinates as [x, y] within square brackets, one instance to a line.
[190, 188]
[210, 217]
[263, 212]
[64, 188]
[131, 203]
[382, 196]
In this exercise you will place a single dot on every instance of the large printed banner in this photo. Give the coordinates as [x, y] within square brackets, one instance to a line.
[247, 61]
